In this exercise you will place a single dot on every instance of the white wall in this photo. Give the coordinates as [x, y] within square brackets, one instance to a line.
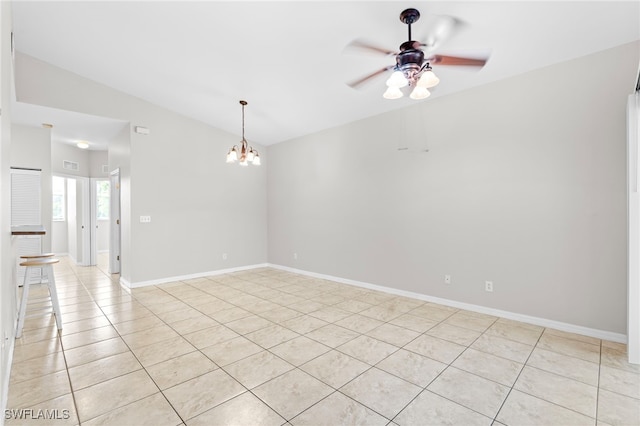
[31, 148]
[8, 309]
[524, 185]
[177, 175]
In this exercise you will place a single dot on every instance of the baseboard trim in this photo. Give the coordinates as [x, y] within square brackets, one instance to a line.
[543, 322]
[138, 284]
[7, 377]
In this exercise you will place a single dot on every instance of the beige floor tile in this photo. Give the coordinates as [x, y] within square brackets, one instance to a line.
[59, 411]
[149, 336]
[257, 369]
[248, 324]
[33, 391]
[304, 324]
[37, 335]
[306, 306]
[367, 349]
[210, 336]
[292, 393]
[617, 409]
[335, 368]
[412, 367]
[575, 348]
[193, 324]
[332, 335]
[523, 409]
[514, 332]
[330, 314]
[152, 410]
[501, 370]
[202, 393]
[36, 367]
[359, 323]
[451, 333]
[84, 325]
[504, 348]
[432, 312]
[70, 341]
[564, 365]
[620, 381]
[25, 351]
[111, 394]
[94, 351]
[573, 336]
[103, 369]
[185, 313]
[617, 358]
[227, 315]
[431, 409]
[381, 392]
[299, 350]
[393, 334]
[162, 351]
[471, 321]
[180, 369]
[338, 409]
[474, 392]
[354, 306]
[280, 314]
[271, 335]
[413, 322]
[559, 390]
[129, 327]
[244, 409]
[435, 348]
[232, 350]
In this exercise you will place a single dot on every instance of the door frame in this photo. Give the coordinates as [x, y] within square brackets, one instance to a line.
[115, 224]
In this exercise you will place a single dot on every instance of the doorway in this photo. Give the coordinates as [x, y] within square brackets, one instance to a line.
[100, 222]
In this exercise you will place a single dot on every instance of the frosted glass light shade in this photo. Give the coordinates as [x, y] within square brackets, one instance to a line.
[419, 93]
[232, 155]
[397, 79]
[251, 155]
[392, 93]
[256, 160]
[428, 79]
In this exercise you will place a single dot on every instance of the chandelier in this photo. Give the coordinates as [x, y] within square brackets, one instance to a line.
[244, 153]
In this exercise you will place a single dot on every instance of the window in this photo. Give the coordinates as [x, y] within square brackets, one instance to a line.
[102, 199]
[59, 203]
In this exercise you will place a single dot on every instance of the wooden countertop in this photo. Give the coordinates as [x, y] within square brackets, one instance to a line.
[28, 230]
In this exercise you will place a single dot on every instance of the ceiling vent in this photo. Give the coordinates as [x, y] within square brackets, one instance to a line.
[70, 165]
[105, 168]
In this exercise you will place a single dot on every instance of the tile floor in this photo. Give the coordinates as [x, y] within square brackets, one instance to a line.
[270, 347]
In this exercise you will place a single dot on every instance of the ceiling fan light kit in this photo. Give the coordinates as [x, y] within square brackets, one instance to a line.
[413, 69]
[245, 153]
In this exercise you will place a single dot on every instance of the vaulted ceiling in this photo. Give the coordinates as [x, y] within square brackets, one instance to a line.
[288, 59]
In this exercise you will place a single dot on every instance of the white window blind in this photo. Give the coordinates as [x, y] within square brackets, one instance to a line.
[25, 197]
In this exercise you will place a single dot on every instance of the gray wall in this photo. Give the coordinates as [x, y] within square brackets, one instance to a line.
[524, 184]
[200, 207]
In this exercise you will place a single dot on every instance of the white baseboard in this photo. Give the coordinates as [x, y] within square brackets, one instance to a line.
[543, 322]
[126, 283]
[5, 382]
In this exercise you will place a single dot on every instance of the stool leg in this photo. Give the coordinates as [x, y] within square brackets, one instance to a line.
[23, 303]
[51, 280]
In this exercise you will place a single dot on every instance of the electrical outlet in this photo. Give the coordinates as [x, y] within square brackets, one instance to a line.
[295, 256]
[447, 279]
[224, 256]
[488, 286]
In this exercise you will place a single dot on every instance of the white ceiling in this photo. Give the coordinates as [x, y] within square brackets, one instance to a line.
[288, 59]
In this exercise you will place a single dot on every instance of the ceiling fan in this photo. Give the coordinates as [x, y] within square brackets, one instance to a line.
[413, 68]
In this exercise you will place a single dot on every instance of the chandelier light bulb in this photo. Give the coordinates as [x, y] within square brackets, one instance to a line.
[419, 93]
[232, 156]
[256, 160]
[397, 79]
[251, 155]
[392, 93]
[428, 79]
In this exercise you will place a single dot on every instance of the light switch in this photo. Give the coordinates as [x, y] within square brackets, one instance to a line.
[145, 219]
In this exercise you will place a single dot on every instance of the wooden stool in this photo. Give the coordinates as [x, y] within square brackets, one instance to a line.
[36, 256]
[46, 263]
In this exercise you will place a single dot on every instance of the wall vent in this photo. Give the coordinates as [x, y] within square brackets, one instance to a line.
[70, 165]
[105, 168]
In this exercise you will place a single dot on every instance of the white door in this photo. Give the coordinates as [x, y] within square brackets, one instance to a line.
[100, 220]
[114, 207]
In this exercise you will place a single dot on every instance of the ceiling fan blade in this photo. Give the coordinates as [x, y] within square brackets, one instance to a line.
[357, 83]
[456, 60]
[362, 45]
[441, 28]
